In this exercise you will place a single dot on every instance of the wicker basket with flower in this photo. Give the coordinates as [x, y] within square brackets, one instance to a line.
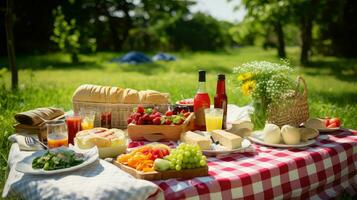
[275, 96]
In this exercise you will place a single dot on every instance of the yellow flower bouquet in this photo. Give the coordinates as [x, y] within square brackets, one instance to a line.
[266, 83]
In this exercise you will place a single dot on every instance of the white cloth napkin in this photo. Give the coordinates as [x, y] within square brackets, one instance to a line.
[20, 140]
[100, 180]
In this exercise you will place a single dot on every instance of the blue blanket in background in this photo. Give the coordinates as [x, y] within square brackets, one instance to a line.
[133, 57]
[164, 57]
[136, 57]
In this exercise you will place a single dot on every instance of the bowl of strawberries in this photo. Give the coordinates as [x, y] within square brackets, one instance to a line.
[151, 125]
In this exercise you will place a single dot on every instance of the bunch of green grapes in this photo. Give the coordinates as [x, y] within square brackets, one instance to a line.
[186, 156]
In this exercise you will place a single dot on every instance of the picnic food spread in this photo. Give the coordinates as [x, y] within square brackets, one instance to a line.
[171, 141]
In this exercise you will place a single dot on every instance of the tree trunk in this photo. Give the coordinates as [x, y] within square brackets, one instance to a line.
[306, 29]
[281, 42]
[10, 44]
[74, 57]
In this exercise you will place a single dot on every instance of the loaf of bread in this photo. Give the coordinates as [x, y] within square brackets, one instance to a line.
[153, 97]
[130, 96]
[107, 94]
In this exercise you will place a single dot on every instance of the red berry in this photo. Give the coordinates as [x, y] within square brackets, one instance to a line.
[146, 117]
[168, 113]
[129, 120]
[157, 121]
[183, 111]
[167, 122]
[152, 117]
[140, 109]
[137, 116]
[157, 114]
[140, 121]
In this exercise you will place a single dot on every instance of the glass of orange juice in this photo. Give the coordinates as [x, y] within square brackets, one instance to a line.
[87, 119]
[214, 119]
[57, 135]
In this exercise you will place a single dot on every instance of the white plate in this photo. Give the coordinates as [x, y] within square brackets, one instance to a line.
[218, 149]
[257, 137]
[25, 165]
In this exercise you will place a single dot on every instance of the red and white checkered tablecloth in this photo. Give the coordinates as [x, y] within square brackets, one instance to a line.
[321, 171]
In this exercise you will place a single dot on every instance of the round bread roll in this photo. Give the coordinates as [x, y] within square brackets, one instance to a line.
[291, 135]
[272, 134]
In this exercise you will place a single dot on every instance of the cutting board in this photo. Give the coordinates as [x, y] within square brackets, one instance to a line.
[150, 176]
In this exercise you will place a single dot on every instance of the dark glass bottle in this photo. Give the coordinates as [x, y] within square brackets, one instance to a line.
[220, 99]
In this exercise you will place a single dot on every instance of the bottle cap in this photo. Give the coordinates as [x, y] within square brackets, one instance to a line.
[202, 76]
[221, 77]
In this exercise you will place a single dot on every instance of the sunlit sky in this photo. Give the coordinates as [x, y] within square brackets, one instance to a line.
[220, 9]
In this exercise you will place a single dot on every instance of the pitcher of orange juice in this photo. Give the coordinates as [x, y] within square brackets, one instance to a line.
[57, 135]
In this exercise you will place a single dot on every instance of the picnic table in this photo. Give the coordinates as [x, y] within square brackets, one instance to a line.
[323, 170]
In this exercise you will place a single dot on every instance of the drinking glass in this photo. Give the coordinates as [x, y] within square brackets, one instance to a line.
[57, 135]
[214, 118]
[73, 126]
[106, 118]
[87, 119]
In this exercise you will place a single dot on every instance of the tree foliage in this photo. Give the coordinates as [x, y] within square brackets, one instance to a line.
[65, 34]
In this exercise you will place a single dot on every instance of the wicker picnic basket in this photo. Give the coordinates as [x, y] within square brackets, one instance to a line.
[293, 110]
[118, 103]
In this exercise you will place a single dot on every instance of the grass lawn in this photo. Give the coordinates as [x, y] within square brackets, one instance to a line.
[50, 80]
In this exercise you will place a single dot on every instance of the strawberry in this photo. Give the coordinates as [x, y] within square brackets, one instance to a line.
[168, 122]
[140, 121]
[146, 117]
[157, 114]
[137, 116]
[157, 121]
[129, 120]
[140, 110]
[152, 117]
[183, 111]
[168, 113]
